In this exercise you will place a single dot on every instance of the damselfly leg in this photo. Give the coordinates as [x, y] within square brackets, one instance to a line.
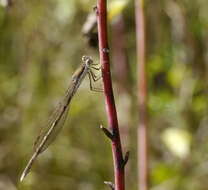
[96, 68]
[91, 86]
[94, 78]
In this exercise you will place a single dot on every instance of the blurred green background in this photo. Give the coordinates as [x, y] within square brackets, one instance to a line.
[41, 45]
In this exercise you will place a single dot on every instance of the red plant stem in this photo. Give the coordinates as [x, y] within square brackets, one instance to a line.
[142, 98]
[109, 98]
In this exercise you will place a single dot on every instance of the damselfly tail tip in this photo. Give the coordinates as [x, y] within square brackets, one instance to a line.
[28, 166]
[22, 176]
[24, 173]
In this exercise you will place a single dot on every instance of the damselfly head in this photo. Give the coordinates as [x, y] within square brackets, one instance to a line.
[87, 60]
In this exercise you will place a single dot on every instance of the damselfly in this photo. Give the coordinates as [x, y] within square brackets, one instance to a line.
[49, 132]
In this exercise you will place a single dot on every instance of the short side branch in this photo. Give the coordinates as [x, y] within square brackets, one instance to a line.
[126, 158]
[107, 133]
[110, 184]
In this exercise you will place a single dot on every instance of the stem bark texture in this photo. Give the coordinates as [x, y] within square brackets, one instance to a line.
[109, 97]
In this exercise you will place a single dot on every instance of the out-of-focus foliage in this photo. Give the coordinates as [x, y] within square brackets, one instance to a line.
[116, 7]
[41, 45]
[178, 141]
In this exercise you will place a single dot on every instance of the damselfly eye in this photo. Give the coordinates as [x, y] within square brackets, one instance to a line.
[87, 59]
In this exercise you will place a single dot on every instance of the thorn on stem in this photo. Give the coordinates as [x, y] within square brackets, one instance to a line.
[110, 184]
[107, 132]
[126, 158]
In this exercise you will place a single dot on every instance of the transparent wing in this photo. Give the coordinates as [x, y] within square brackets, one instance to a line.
[48, 134]
[56, 121]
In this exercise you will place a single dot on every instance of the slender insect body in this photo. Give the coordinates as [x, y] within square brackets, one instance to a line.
[58, 117]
